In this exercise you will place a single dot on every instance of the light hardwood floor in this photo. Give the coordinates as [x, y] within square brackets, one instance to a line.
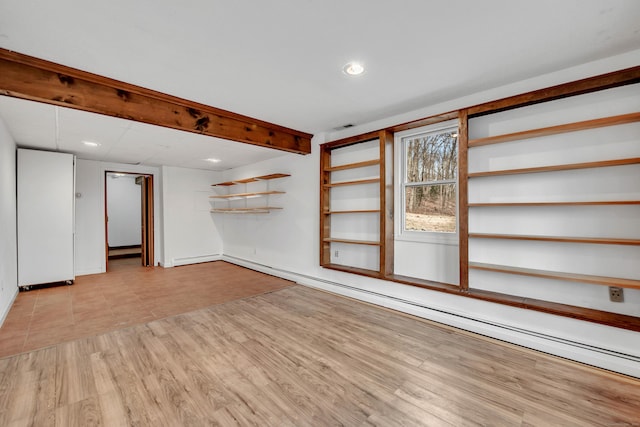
[301, 357]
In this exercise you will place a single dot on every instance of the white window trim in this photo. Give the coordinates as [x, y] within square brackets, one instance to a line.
[401, 234]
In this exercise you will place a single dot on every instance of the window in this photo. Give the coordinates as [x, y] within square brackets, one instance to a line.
[427, 191]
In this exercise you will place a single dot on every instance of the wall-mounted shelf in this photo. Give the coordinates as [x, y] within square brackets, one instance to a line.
[353, 241]
[552, 130]
[247, 195]
[573, 277]
[251, 179]
[238, 196]
[352, 212]
[553, 168]
[564, 239]
[355, 182]
[261, 209]
[354, 165]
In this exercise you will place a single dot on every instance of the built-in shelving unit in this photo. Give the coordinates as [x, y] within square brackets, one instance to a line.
[356, 176]
[499, 259]
[247, 195]
[538, 173]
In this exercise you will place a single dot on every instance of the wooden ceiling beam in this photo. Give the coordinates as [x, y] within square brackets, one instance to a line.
[30, 78]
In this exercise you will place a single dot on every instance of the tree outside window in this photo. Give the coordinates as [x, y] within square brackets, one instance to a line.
[430, 181]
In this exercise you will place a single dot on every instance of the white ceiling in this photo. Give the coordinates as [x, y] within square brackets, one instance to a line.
[281, 61]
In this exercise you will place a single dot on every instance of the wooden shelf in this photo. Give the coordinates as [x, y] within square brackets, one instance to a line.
[572, 166]
[564, 239]
[246, 195]
[262, 209]
[594, 203]
[354, 242]
[573, 277]
[356, 182]
[352, 212]
[552, 130]
[252, 179]
[353, 165]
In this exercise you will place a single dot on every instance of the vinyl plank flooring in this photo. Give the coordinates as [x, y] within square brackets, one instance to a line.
[301, 357]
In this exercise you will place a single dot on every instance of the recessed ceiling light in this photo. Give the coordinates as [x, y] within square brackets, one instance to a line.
[212, 160]
[353, 68]
[91, 144]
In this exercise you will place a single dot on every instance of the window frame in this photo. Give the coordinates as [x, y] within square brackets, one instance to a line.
[400, 154]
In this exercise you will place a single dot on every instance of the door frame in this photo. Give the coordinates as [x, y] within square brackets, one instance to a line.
[147, 215]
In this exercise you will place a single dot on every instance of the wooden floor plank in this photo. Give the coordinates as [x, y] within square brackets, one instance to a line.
[301, 357]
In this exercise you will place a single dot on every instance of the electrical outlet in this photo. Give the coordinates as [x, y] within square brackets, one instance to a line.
[336, 254]
[616, 294]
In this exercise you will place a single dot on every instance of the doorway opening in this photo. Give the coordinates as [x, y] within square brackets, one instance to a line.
[129, 218]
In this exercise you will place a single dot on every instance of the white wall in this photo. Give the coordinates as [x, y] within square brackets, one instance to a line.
[8, 249]
[286, 243]
[124, 210]
[90, 213]
[190, 232]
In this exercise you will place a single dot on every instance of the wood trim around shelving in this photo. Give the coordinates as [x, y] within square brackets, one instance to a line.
[525, 204]
[591, 84]
[354, 165]
[355, 182]
[554, 168]
[562, 239]
[246, 195]
[553, 130]
[325, 205]
[572, 277]
[345, 142]
[386, 203]
[581, 313]
[588, 314]
[463, 199]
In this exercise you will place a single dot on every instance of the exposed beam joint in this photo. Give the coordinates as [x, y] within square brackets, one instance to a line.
[30, 78]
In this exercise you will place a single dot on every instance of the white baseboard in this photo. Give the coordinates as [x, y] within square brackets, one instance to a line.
[88, 271]
[627, 364]
[195, 260]
[4, 311]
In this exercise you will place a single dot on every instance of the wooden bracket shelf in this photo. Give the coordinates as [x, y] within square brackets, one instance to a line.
[553, 168]
[552, 130]
[564, 239]
[573, 277]
[354, 242]
[586, 203]
[262, 209]
[356, 182]
[353, 165]
[252, 179]
[246, 195]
